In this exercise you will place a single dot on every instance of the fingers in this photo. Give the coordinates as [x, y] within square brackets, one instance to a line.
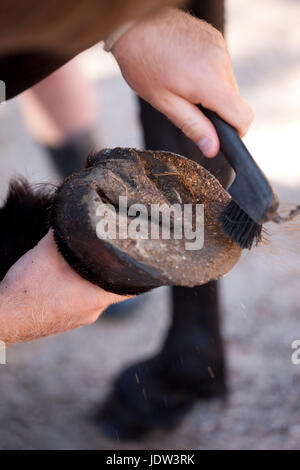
[233, 109]
[191, 121]
[197, 127]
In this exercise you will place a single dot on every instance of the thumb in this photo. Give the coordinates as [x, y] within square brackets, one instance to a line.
[192, 122]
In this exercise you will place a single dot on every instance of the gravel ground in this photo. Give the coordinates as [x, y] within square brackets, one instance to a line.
[49, 388]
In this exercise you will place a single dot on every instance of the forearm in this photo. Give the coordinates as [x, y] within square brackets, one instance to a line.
[25, 304]
[42, 295]
[19, 318]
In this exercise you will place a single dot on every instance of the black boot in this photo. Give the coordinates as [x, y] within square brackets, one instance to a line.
[72, 154]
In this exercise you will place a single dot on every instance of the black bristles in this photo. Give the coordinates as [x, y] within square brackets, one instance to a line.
[240, 227]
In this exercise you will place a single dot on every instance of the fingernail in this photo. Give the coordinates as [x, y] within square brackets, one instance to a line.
[205, 145]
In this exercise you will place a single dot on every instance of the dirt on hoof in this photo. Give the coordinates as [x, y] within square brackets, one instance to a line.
[129, 264]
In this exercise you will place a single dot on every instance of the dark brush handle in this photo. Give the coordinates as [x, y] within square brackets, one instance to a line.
[250, 190]
[232, 146]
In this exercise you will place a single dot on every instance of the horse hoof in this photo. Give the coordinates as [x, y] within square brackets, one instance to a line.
[133, 265]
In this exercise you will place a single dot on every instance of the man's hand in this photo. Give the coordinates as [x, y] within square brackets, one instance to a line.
[42, 295]
[175, 61]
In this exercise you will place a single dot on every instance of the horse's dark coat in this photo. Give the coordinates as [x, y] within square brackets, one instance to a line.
[23, 220]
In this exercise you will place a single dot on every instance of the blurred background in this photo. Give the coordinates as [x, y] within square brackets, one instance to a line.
[49, 388]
